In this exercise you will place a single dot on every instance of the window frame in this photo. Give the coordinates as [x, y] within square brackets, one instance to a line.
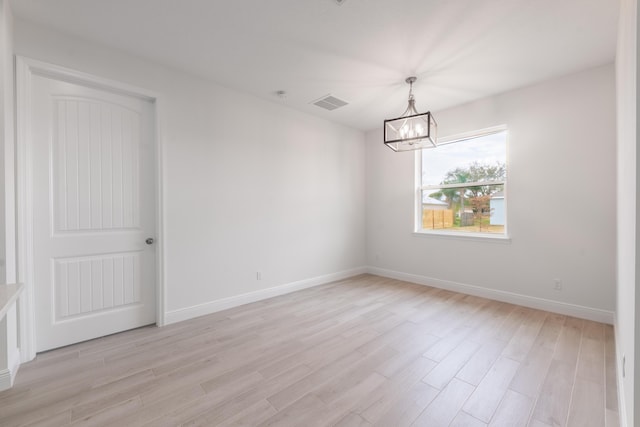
[417, 227]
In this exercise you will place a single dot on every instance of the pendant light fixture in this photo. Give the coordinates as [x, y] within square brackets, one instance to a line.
[412, 130]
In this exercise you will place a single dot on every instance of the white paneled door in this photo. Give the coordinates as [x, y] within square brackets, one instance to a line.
[93, 160]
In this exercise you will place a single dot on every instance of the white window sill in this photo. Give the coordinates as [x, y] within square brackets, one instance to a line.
[480, 237]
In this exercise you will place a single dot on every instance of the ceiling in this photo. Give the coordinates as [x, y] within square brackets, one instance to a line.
[360, 51]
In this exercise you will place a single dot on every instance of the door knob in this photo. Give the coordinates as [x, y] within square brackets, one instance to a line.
[149, 241]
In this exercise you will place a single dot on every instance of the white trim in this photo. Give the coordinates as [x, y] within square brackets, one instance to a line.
[7, 376]
[25, 68]
[161, 286]
[26, 322]
[237, 300]
[463, 184]
[582, 312]
[78, 77]
[472, 134]
[417, 197]
[622, 407]
[480, 237]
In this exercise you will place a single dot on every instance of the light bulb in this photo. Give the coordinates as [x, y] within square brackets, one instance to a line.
[411, 131]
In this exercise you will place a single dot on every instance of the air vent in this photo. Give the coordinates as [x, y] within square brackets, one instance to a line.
[329, 102]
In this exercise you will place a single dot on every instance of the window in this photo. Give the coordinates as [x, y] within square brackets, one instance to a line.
[462, 185]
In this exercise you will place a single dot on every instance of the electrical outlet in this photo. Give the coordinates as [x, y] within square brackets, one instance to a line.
[259, 275]
[557, 284]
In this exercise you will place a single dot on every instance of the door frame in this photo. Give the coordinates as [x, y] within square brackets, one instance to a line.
[25, 69]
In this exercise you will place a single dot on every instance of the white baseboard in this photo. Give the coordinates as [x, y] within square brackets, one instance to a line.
[8, 375]
[234, 301]
[582, 312]
[574, 310]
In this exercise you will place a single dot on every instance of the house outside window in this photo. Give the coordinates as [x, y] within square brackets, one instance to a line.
[462, 185]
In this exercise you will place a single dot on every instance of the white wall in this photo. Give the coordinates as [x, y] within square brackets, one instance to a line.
[248, 185]
[561, 197]
[627, 331]
[7, 132]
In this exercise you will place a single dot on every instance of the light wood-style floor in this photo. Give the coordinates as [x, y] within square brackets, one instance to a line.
[364, 351]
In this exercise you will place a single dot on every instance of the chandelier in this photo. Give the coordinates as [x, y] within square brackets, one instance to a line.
[412, 130]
